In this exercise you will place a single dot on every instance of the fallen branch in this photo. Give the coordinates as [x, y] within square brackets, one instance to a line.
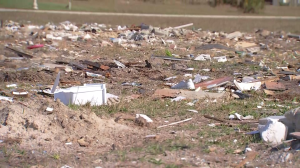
[20, 53]
[174, 123]
[214, 118]
[230, 122]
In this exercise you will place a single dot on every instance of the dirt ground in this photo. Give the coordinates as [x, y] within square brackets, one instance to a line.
[112, 135]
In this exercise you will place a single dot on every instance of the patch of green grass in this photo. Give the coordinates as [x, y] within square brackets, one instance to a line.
[56, 156]
[145, 106]
[172, 166]
[122, 155]
[136, 149]
[155, 149]
[155, 161]
[74, 106]
[191, 126]
[42, 5]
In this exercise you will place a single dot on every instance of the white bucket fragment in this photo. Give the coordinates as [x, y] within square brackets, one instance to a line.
[273, 132]
[247, 86]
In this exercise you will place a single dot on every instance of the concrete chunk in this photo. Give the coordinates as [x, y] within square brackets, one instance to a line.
[273, 132]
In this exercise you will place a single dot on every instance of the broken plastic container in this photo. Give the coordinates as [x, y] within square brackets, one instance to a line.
[80, 95]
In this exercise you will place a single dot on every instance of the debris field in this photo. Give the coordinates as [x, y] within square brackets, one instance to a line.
[98, 95]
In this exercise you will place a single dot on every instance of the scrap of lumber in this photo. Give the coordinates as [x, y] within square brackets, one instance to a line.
[20, 53]
[174, 123]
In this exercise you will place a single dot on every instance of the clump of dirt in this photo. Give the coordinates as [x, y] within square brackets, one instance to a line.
[63, 129]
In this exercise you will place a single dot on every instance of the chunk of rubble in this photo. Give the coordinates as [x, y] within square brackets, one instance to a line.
[273, 132]
[294, 117]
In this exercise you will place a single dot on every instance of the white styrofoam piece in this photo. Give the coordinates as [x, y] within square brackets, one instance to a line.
[80, 95]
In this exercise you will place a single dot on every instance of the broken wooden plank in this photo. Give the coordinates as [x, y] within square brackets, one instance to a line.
[214, 83]
[104, 68]
[174, 123]
[161, 93]
[275, 86]
[214, 118]
[78, 66]
[170, 58]
[92, 65]
[20, 53]
[70, 82]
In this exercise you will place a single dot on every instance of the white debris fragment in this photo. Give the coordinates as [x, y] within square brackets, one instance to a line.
[10, 99]
[248, 150]
[190, 84]
[203, 57]
[194, 111]
[148, 119]
[273, 132]
[231, 117]
[188, 75]
[221, 59]
[238, 116]
[11, 85]
[49, 109]
[247, 86]
[169, 78]
[179, 98]
[212, 125]
[119, 64]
